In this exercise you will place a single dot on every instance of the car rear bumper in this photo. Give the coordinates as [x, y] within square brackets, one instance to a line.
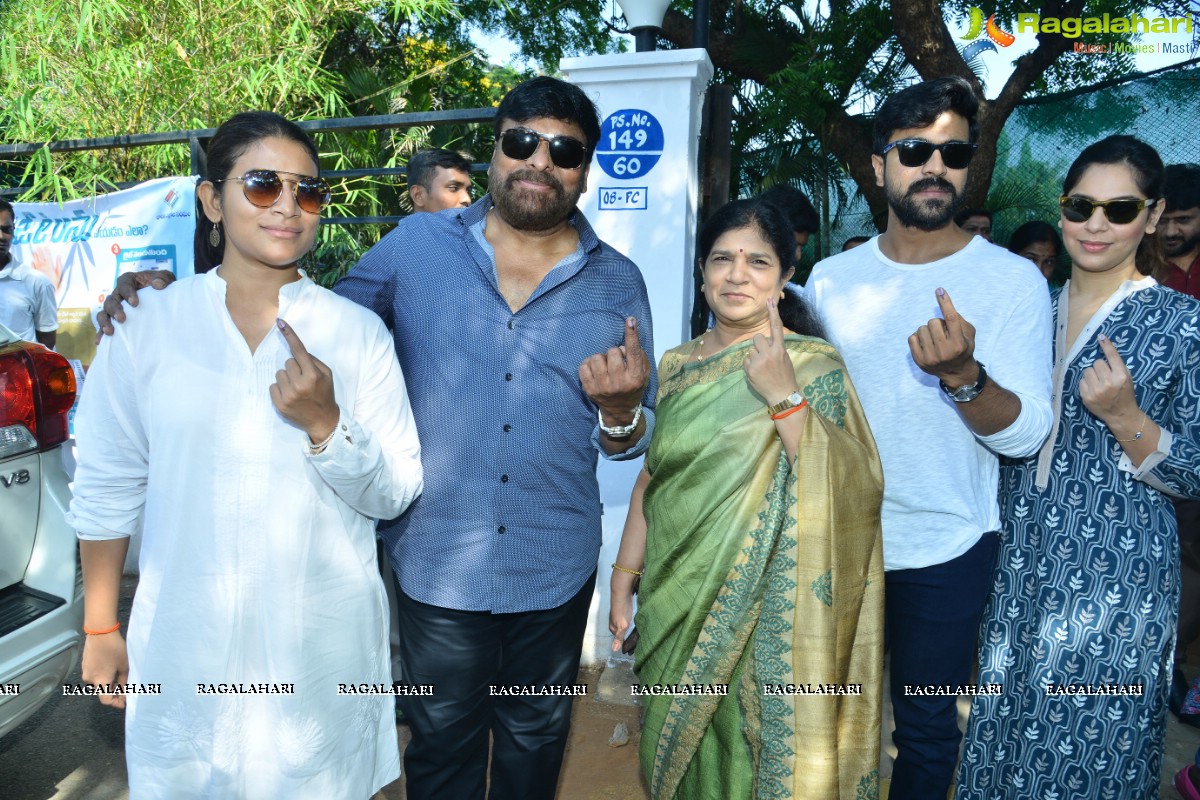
[37, 656]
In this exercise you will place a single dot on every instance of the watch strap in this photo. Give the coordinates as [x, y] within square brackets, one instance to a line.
[965, 394]
[791, 401]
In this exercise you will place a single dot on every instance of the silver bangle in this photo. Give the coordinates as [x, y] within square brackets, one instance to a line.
[621, 431]
[317, 449]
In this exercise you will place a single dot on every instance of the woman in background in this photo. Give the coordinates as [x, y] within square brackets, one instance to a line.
[253, 424]
[1080, 628]
[756, 524]
[1039, 242]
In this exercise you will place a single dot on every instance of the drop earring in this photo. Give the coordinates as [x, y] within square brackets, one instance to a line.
[214, 237]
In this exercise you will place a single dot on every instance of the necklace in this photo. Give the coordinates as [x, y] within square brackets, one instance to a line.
[700, 349]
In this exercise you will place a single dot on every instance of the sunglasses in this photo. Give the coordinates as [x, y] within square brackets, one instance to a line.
[916, 152]
[1118, 212]
[263, 187]
[7, 229]
[566, 152]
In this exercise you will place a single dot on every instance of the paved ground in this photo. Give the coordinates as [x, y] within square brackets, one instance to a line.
[72, 748]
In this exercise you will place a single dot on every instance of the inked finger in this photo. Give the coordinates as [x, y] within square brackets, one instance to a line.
[949, 312]
[632, 338]
[299, 351]
[774, 319]
[1110, 351]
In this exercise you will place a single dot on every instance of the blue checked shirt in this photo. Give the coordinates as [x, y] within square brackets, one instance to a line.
[509, 519]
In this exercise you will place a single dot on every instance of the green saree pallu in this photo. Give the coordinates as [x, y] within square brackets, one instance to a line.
[760, 613]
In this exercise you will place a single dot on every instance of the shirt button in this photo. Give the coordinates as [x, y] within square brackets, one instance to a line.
[512, 324]
[504, 479]
[508, 376]
[500, 529]
[507, 428]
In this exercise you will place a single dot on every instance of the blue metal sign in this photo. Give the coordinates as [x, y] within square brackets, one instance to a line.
[631, 142]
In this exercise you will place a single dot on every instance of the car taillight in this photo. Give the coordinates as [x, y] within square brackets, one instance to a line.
[37, 389]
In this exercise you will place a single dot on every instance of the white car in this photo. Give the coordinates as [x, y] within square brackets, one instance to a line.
[41, 586]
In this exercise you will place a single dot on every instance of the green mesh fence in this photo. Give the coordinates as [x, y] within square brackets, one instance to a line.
[1041, 139]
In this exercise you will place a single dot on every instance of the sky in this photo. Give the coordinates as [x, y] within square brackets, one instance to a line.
[997, 63]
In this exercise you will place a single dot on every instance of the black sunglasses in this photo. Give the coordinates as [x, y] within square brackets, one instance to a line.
[566, 152]
[1118, 212]
[263, 187]
[916, 152]
[7, 229]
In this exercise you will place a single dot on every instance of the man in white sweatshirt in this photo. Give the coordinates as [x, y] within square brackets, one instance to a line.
[916, 313]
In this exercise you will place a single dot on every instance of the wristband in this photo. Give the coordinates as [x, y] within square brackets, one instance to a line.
[91, 632]
[621, 431]
[790, 411]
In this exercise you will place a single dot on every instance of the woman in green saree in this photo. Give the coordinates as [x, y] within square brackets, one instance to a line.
[754, 533]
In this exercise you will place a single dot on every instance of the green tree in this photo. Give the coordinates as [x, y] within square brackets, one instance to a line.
[77, 69]
[813, 73]
[93, 68]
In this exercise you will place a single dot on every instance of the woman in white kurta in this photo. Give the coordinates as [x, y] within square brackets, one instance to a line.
[254, 455]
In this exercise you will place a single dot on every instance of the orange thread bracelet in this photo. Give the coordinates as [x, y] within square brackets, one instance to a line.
[91, 632]
[792, 410]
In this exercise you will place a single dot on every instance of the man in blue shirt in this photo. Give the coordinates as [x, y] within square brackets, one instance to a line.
[521, 338]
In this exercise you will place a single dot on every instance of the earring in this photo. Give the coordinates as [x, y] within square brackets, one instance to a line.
[214, 237]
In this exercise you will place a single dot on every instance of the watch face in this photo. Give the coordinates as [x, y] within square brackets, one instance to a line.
[964, 394]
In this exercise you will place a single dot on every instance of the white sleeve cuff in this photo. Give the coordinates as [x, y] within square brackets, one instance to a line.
[343, 437]
[1144, 471]
[1026, 433]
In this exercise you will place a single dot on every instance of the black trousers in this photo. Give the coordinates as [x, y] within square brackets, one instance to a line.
[932, 616]
[465, 653]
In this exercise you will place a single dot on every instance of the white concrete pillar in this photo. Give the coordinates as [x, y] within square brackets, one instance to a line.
[643, 198]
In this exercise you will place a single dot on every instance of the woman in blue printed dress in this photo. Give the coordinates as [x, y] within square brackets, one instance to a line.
[1081, 624]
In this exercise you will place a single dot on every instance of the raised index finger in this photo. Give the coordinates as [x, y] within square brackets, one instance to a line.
[632, 340]
[1110, 351]
[949, 312]
[299, 351]
[775, 321]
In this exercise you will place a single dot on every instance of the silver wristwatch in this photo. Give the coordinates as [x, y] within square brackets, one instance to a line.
[621, 431]
[965, 394]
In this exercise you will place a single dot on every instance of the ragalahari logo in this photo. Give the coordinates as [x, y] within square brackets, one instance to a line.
[994, 32]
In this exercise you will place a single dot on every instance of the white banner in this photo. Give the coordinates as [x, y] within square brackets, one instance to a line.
[83, 245]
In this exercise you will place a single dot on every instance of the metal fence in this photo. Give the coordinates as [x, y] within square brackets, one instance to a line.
[195, 141]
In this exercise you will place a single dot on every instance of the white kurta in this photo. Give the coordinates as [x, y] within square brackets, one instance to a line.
[258, 560]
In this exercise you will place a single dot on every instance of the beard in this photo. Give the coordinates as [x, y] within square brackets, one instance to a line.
[532, 211]
[1181, 245]
[924, 215]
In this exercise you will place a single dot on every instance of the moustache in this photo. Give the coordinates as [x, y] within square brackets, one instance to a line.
[931, 183]
[533, 176]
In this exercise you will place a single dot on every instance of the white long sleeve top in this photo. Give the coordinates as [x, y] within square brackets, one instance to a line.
[258, 559]
[940, 479]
